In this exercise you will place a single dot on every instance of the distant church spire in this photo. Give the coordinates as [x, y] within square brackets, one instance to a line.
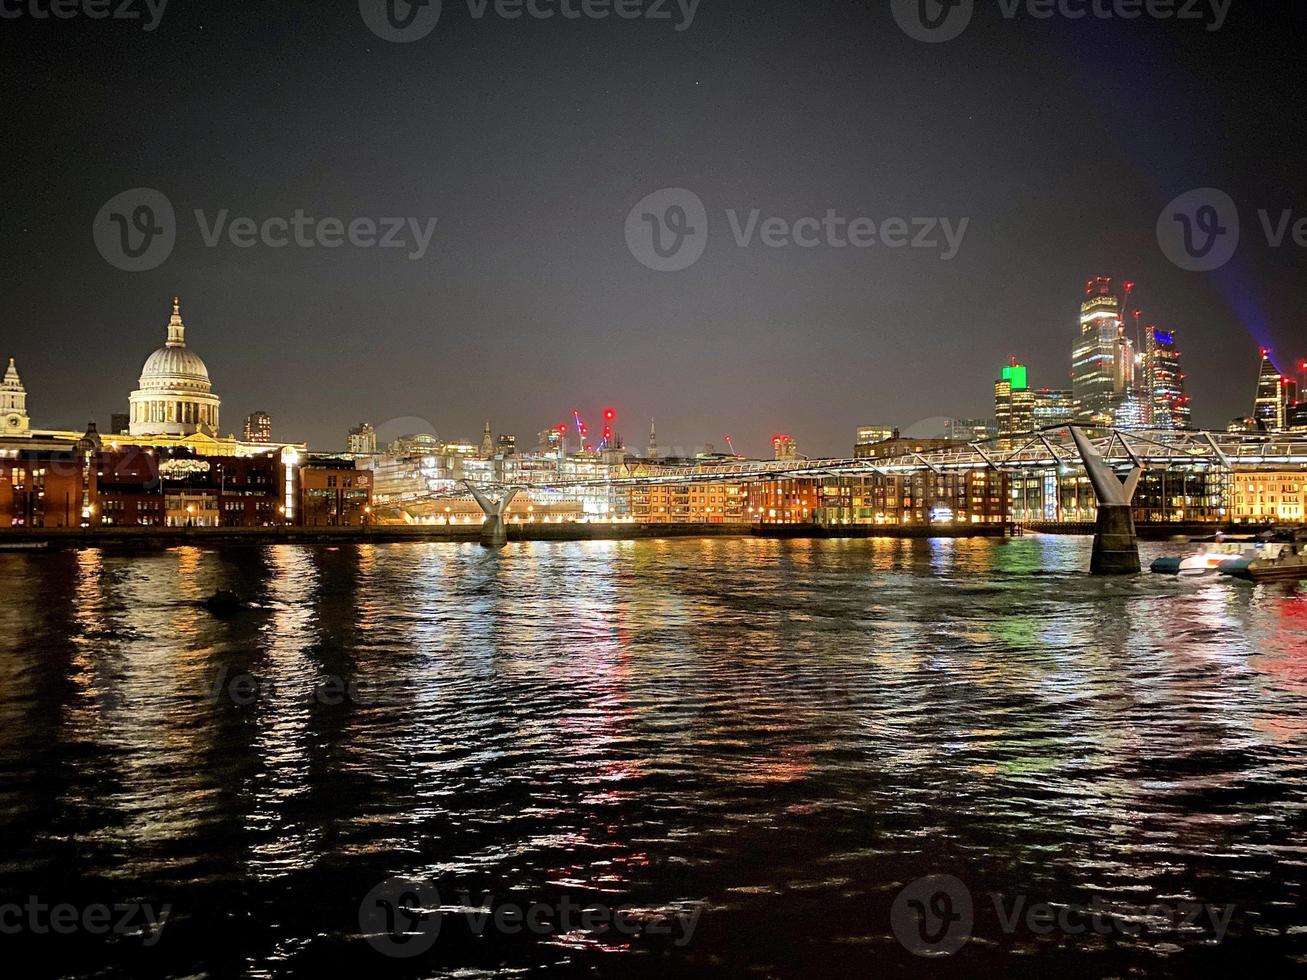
[176, 329]
[652, 451]
[13, 404]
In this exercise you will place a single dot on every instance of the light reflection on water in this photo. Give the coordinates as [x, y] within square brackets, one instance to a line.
[787, 731]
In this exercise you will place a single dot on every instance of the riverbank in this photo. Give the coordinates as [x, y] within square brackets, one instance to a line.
[170, 537]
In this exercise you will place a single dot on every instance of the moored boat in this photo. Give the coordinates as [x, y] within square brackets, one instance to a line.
[1285, 563]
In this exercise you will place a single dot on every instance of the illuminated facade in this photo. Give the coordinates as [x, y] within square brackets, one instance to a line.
[175, 396]
[1096, 376]
[1268, 498]
[14, 421]
[913, 499]
[1277, 396]
[333, 493]
[1195, 493]
[784, 501]
[1014, 402]
[689, 503]
[1053, 407]
[1165, 382]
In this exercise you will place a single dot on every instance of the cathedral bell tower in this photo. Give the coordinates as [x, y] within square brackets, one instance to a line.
[13, 404]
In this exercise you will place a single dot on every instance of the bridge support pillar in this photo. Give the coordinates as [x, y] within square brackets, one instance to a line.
[1116, 546]
[494, 531]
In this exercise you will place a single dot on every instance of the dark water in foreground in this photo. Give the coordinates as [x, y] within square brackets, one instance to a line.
[740, 751]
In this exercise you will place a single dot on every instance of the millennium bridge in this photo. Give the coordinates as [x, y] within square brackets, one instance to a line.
[1113, 459]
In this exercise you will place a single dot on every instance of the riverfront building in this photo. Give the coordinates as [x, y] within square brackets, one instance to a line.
[1264, 498]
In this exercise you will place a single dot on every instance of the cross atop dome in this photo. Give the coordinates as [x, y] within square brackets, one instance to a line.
[176, 329]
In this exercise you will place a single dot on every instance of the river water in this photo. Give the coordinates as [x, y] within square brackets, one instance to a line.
[680, 758]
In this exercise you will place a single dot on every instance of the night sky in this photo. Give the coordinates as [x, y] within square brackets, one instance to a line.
[530, 141]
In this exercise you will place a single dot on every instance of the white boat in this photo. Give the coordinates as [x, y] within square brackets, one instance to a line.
[1211, 555]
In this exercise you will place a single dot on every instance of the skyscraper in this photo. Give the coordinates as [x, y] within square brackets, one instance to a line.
[487, 442]
[1276, 394]
[1014, 402]
[785, 447]
[1053, 407]
[1097, 378]
[258, 427]
[1165, 381]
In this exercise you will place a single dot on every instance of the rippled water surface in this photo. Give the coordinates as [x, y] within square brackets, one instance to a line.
[751, 746]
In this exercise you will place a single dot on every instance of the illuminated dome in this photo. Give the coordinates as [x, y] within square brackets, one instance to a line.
[175, 396]
[169, 364]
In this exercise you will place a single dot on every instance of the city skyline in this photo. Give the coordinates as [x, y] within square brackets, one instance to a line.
[1044, 404]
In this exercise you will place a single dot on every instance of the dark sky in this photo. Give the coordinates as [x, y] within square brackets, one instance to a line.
[531, 141]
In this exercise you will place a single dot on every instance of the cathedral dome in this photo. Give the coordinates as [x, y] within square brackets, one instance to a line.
[169, 364]
[175, 396]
